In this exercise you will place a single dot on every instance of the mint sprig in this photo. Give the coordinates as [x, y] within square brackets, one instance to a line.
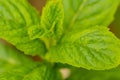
[74, 32]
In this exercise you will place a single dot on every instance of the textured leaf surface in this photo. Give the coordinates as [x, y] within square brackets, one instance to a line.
[83, 74]
[10, 58]
[51, 21]
[87, 13]
[50, 27]
[42, 72]
[15, 17]
[52, 18]
[94, 48]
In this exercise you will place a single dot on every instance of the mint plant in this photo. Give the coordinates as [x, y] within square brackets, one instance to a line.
[69, 32]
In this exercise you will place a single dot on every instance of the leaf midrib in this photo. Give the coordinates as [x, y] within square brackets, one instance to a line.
[77, 14]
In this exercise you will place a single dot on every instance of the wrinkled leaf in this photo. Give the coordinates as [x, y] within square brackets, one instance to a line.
[94, 48]
[51, 24]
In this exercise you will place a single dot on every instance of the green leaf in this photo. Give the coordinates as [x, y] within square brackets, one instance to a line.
[42, 72]
[51, 25]
[51, 21]
[15, 17]
[88, 13]
[10, 58]
[83, 74]
[94, 48]
[52, 18]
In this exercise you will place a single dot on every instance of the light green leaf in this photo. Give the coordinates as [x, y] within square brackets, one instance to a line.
[52, 18]
[83, 74]
[42, 72]
[15, 17]
[51, 25]
[10, 58]
[87, 13]
[94, 48]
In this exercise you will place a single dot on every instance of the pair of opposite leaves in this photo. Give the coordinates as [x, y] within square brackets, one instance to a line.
[69, 31]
